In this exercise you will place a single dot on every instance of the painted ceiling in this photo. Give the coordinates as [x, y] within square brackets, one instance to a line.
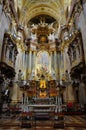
[29, 9]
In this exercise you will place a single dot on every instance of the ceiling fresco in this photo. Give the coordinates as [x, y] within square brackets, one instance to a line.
[28, 9]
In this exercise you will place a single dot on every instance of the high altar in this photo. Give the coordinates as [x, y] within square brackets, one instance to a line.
[42, 69]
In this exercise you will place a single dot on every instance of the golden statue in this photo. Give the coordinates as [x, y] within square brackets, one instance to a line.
[42, 84]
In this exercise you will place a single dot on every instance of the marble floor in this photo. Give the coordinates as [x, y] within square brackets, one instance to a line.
[69, 123]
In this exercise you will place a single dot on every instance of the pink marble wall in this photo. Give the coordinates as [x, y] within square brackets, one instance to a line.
[4, 25]
[82, 21]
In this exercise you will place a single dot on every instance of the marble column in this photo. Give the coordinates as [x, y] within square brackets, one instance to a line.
[55, 62]
[27, 62]
[7, 55]
[13, 55]
[61, 65]
[82, 93]
[3, 52]
[30, 54]
[70, 97]
[51, 60]
[34, 59]
[24, 59]
[58, 66]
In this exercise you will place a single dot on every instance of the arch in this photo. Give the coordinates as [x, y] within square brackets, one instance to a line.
[39, 11]
[43, 10]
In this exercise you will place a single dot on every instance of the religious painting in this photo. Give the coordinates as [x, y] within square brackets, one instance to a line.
[43, 61]
[42, 84]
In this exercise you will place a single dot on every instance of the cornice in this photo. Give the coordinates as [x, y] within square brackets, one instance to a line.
[69, 41]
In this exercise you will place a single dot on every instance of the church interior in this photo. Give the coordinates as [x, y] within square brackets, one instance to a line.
[43, 64]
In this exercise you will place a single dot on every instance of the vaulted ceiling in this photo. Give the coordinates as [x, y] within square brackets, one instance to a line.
[29, 9]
